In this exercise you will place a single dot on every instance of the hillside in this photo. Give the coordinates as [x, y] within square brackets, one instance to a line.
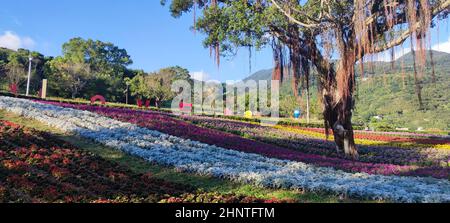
[260, 75]
[385, 92]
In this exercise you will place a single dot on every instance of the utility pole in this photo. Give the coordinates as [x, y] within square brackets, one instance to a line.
[29, 75]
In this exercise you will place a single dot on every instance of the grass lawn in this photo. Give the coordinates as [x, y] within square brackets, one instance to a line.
[202, 183]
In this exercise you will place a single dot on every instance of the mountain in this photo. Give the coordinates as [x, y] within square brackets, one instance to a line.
[390, 93]
[438, 56]
[260, 75]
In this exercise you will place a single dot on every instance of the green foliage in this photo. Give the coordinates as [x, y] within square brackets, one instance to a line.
[157, 86]
[231, 24]
[311, 30]
[288, 105]
[87, 68]
[179, 6]
[102, 56]
[386, 96]
[108, 65]
[14, 68]
[69, 76]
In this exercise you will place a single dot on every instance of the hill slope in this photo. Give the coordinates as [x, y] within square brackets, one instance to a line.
[389, 93]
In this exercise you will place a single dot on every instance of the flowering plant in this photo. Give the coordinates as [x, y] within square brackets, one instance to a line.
[196, 157]
[278, 145]
[36, 167]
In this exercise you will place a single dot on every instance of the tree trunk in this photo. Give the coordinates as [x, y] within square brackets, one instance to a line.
[344, 137]
[342, 129]
[334, 110]
[338, 113]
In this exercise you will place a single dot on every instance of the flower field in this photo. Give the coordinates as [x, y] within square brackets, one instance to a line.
[274, 143]
[297, 139]
[37, 167]
[168, 141]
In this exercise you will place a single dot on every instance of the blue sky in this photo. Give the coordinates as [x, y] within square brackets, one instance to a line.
[144, 28]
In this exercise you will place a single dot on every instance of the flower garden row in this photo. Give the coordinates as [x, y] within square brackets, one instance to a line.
[36, 167]
[385, 137]
[297, 140]
[375, 139]
[282, 147]
[192, 156]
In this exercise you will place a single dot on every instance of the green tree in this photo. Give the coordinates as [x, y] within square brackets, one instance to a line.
[4, 54]
[107, 62]
[69, 75]
[15, 70]
[157, 85]
[19, 60]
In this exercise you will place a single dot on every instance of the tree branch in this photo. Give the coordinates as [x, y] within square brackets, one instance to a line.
[313, 25]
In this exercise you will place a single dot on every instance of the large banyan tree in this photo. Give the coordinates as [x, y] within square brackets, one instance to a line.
[334, 37]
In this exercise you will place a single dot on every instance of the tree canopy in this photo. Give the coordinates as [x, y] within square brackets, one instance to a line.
[14, 67]
[70, 75]
[107, 65]
[158, 85]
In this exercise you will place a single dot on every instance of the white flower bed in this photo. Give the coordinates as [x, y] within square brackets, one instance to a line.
[192, 156]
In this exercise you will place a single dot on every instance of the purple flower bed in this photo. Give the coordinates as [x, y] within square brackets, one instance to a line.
[295, 141]
[164, 123]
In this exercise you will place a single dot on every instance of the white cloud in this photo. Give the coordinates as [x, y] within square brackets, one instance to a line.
[200, 76]
[443, 47]
[12, 41]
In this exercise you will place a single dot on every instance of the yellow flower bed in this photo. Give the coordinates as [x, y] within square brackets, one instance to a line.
[366, 142]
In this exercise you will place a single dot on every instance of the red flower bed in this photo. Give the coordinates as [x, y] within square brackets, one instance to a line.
[36, 167]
